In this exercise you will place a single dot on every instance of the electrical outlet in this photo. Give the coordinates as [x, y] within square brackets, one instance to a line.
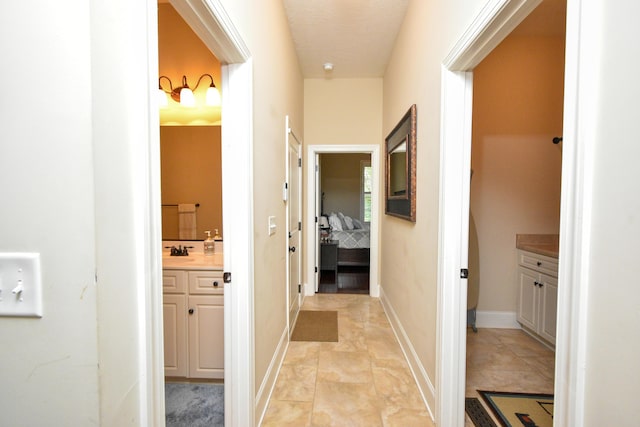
[20, 285]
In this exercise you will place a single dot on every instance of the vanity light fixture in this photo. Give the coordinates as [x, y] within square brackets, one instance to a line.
[184, 95]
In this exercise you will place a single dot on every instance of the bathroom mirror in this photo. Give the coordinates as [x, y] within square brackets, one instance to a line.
[400, 168]
[190, 161]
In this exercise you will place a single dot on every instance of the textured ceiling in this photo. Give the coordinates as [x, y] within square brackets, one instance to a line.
[357, 36]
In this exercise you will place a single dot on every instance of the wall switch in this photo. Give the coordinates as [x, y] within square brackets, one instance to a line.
[272, 225]
[20, 285]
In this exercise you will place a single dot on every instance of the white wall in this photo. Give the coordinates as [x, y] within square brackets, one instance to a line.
[612, 111]
[49, 366]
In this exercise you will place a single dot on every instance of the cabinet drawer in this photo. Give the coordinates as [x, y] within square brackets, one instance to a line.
[174, 281]
[540, 263]
[206, 282]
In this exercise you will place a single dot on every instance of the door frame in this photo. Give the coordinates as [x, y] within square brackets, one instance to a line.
[289, 133]
[494, 22]
[311, 228]
[210, 21]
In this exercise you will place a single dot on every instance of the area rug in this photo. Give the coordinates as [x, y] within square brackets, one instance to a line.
[194, 404]
[319, 326]
[476, 412]
[520, 409]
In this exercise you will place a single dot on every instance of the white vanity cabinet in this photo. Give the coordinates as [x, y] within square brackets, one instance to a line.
[193, 309]
[538, 294]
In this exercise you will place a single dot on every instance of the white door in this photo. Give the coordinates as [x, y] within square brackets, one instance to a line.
[318, 212]
[294, 225]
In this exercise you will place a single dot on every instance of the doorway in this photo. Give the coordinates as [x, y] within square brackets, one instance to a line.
[345, 222]
[515, 191]
[314, 210]
[489, 28]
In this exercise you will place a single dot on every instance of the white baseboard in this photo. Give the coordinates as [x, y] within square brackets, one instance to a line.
[497, 319]
[425, 386]
[269, 381]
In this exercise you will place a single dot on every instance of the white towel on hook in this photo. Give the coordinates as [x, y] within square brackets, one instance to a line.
[187, 221]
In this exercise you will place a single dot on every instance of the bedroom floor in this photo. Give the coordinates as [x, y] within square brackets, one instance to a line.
[351, 280]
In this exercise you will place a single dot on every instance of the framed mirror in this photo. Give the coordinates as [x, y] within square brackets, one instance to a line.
[400, 168]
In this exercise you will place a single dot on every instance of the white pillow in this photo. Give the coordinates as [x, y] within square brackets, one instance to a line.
[335, 223]
[349, 222]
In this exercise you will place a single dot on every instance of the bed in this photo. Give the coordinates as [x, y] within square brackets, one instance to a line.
[353, 240]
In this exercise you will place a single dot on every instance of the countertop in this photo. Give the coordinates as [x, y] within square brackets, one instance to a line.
[193, 261]
[541, 244]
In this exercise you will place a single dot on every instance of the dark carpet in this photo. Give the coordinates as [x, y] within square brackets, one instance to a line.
[194, 404]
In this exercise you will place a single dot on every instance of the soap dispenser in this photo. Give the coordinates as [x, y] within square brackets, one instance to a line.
[217, 241]
[209, 244]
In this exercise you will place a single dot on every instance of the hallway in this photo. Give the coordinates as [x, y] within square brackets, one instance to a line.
[363, 379]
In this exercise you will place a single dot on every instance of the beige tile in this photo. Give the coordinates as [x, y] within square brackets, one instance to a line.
[288, 414]
[302, 353]
[405, 417]
[296, 383]
[346, 405]
[345, 366]
[397, 388]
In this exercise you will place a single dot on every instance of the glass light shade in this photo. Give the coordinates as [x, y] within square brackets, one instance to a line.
[186, 97]
[213, 96]
[162, 98]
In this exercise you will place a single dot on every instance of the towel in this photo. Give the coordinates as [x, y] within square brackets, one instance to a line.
[187, 221]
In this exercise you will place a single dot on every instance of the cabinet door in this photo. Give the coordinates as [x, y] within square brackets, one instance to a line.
[206, 282]
[548, 307]
[175, 335]
[527, 297]
[206, 336]
[174, 281]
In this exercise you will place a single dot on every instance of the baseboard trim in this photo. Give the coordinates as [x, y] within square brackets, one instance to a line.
[425, 386]
[497, 319]
[269, 381]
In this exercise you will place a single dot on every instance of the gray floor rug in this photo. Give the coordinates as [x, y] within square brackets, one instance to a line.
[194, 404]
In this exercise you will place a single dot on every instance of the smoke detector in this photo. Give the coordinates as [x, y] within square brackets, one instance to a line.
[328, 66]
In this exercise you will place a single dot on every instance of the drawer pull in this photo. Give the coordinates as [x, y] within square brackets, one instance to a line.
[191, 311]
[538, 263]
[215, 283]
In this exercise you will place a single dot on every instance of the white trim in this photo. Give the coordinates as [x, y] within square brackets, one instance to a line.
[212, 24]
[425, 386]
[455, 165]
[271, 376]
[494, 22]
[497, 319]
[579, 124]
[237, 211]
[311, 242]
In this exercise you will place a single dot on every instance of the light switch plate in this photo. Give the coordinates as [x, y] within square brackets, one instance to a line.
[272, 225]
[20, 285]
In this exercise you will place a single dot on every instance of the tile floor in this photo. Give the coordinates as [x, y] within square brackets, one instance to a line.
[361, 380]
[364, 380]
[507, 360]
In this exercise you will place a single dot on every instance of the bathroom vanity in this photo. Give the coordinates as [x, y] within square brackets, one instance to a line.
[538, 284]
[193, 310]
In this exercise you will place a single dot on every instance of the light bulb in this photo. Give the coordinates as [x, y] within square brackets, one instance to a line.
[186, 97]
[162, 98]
[213, 96]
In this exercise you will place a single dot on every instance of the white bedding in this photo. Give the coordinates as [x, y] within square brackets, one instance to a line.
[350, 233]
[351, 239]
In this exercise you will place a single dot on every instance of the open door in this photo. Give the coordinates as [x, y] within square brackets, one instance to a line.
[294, 224]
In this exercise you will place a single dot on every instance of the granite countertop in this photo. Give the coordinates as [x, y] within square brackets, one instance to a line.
[541, 244]
[194, 261]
